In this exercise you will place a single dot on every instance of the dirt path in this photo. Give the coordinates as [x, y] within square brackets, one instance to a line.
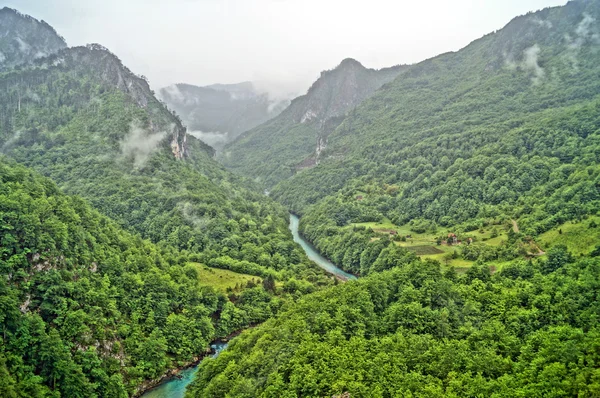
[515, 226]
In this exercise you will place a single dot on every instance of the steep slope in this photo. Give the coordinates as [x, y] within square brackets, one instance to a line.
[87, 309]
[506, 128]
[87, 122]
[294, 140]
[419, 332]
[219, 113]
[23, 39]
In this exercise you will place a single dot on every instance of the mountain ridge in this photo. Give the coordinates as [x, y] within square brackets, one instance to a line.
[306, 122]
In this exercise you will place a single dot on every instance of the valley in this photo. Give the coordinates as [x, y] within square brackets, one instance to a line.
[428, 229]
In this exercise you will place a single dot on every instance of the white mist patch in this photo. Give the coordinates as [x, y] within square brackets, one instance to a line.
[2, 57]
[278, 105]
[174, 93]
[139, 144]
[531, 63]
[584, 29]
[188, 213]
[24, 47]
[541, 22]
[584, 32]
[10, 142]
[211, 138]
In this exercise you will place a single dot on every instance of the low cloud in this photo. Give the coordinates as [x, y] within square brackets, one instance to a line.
[9, 143]
[584, 32]
[541, 22]
[140, 144]
[189, 214]
[211, 138]
[172, 92]
[530, 62]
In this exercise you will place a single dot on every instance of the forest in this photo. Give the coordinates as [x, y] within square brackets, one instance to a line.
[419, 330]
[463, 192]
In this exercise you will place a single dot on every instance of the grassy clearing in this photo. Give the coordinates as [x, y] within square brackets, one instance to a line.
[578, 237]
[425, 244]
[222, 279]
[424, 250]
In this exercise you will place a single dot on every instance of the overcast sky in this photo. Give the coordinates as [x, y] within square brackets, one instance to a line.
[283, 43]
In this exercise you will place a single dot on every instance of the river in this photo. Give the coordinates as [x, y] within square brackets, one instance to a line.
[175, 388]
[314, 255]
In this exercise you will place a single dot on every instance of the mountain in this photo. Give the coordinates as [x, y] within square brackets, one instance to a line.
[218, 113]
[294, 140]
[110, 286]
[24, 39]
[504, 129]
[466, 193]
[83, 119]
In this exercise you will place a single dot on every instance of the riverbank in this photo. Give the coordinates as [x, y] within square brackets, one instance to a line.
[314, 255]
[173, 383]
[172, 374]
[148, 390]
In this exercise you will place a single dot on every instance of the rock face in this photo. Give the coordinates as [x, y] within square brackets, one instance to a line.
[24, 39]
[96, 64]
[296, 138]
[339, 90]
[219, 113]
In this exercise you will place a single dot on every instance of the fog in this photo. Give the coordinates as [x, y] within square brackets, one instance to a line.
[280, 44]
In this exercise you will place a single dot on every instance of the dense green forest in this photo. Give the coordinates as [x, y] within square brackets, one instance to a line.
[488, 156]
[114, 144]
[464, 190]
[530, 330]
[467, 140]
[88, 309]
[105, 282]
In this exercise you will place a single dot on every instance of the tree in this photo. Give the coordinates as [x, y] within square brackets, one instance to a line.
[558, 257]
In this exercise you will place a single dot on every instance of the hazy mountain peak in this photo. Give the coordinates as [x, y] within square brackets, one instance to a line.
[24, 39]
[299, 134]
[350, 62]
[339, 90]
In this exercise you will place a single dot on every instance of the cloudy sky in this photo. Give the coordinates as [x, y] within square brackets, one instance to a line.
[282, 43]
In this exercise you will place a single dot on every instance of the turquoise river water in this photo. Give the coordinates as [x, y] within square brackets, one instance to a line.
[175, 388]
[313, 254]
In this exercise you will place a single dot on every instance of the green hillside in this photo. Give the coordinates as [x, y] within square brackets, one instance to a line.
[468, 140]
[293, 141]
[83, 119]
[530, 330]
[88, 309]
[486, 159]
[101, 291]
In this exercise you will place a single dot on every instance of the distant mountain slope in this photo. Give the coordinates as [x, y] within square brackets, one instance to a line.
[506, 128]
[88, 308]
[23, 39]
[83, 119]
[293, 140]
[217, 114]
